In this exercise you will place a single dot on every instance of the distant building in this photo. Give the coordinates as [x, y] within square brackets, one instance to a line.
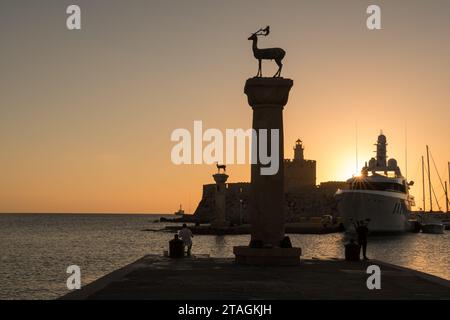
[298, 172]
[332, 186]
[303, 198]
[236, 202]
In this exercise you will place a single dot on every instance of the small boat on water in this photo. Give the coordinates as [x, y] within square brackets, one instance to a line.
[433, 227]
[180, 212]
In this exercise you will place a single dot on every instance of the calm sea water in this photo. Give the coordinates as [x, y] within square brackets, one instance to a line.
[35, 250]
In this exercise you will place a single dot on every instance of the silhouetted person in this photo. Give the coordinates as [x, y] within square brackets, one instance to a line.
[362, 231]
[186, 235]
[176, 247]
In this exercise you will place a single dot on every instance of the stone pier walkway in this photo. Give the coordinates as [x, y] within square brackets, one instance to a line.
[157, 277]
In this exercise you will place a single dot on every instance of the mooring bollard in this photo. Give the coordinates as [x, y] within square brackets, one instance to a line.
[352, 251]
[176, 247]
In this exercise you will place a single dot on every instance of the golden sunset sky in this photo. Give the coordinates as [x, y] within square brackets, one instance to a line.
[86, 116]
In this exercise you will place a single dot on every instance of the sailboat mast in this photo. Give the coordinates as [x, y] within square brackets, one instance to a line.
[356, 148]
[423, 185]
[448, 170]
[429, 179]
[406, 153]
[446, 198]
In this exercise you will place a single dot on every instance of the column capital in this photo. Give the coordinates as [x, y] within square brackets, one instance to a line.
[268, 92]
[220, 177]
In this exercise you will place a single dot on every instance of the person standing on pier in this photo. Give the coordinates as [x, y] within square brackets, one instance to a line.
[186, 235]
[362, 231]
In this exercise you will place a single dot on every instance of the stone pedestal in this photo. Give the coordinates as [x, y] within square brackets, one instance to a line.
[219, 220]
[267, 97]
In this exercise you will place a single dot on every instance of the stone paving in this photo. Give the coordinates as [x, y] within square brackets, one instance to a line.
[157, 277]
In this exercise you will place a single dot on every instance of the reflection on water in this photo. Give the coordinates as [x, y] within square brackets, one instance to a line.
[36, 249]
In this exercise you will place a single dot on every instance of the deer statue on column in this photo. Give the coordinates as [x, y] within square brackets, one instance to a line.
[276, 54]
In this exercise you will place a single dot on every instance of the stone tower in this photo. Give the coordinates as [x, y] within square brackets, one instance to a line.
[219, 220]
[298, 151]
[299, 173]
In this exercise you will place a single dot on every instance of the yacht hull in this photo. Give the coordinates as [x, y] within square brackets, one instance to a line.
[388, 211]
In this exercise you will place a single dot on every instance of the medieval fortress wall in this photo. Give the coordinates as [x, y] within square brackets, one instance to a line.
[303, 198]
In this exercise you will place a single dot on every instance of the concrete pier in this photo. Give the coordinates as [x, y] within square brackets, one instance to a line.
[291, 228]
[157, 277]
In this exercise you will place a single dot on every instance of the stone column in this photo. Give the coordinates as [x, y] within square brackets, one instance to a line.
[267, 97]
[219, 220]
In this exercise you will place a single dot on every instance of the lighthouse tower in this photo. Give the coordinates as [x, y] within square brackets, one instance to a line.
[298, 151]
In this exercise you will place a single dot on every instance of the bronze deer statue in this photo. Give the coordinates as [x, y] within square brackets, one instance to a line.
[276, 54]
[221, 166]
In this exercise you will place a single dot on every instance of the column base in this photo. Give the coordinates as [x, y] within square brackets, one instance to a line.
[267, 256]
[220, 225]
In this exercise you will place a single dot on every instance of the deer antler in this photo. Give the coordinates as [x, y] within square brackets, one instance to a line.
[266, 30]
[263, 32]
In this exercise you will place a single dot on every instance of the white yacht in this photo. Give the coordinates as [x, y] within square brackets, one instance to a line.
[380, 194]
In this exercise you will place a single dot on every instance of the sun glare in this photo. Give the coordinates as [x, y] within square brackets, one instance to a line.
[348, 172]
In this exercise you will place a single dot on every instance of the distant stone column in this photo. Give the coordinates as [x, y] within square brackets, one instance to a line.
[267, 97]
[219, 220]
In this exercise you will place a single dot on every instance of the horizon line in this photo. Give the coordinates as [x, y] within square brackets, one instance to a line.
[100, 213]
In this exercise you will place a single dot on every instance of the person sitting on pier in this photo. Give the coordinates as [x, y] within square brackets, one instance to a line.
[186, 235]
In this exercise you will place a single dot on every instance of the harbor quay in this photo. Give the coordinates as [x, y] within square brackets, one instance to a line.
[313, 227]
[156, 277]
